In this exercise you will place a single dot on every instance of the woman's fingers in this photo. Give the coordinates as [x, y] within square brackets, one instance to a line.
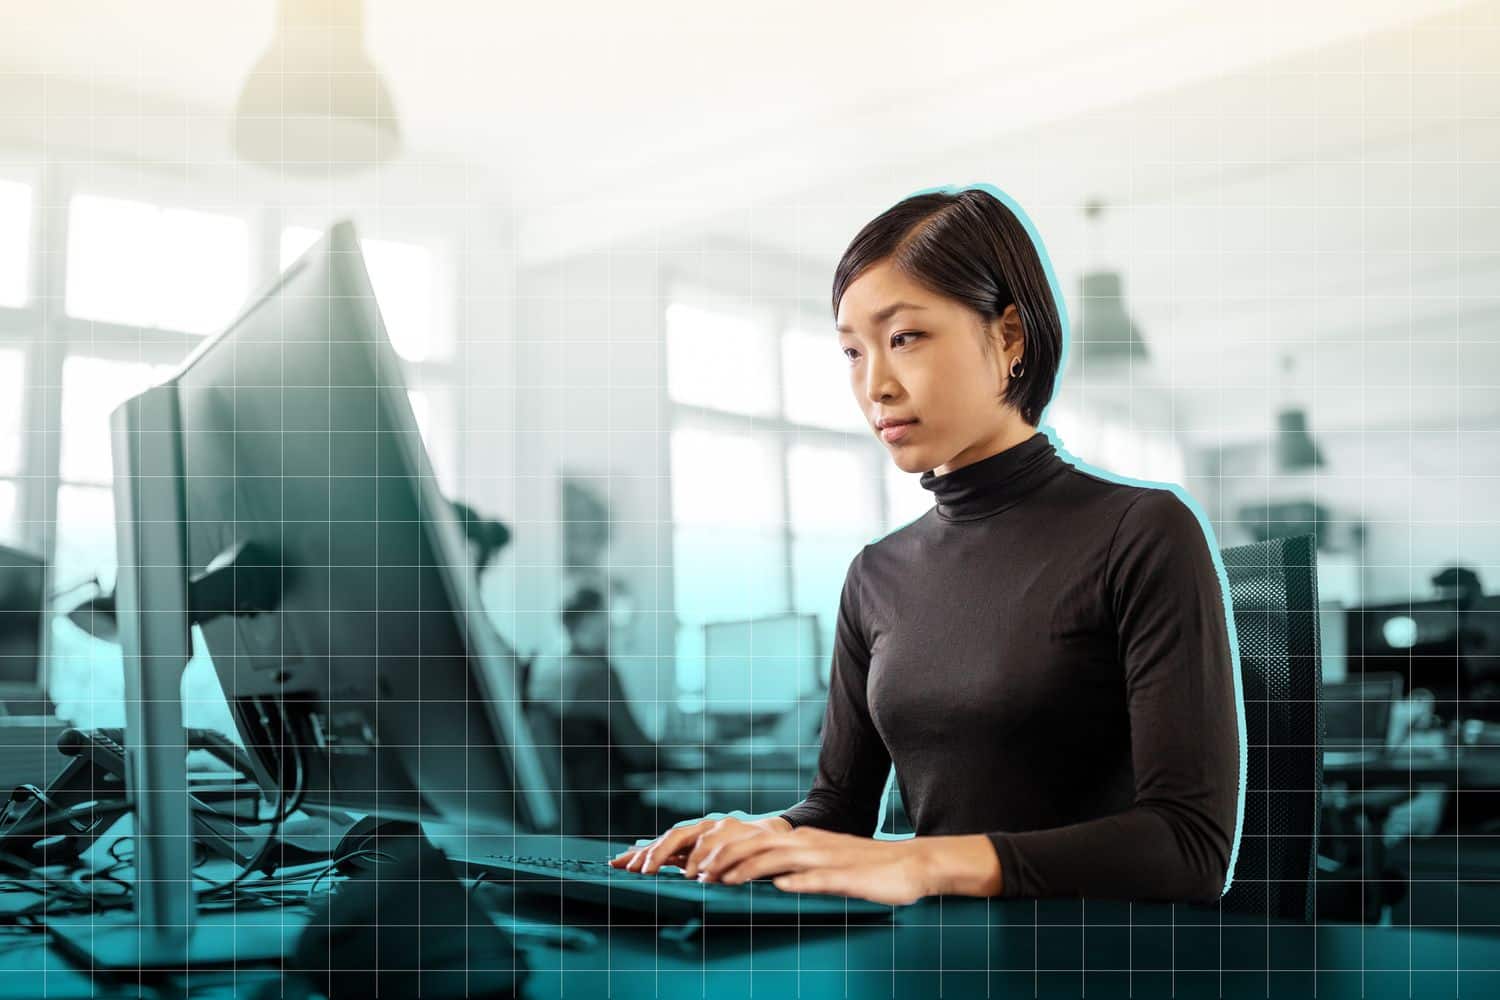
[805, 837]
[623, 858]
[667, 847]
[632, 859]
[732, 855]
[837, 881]
[722, 833]
[698, 854]
[776, 860]
[670, 848]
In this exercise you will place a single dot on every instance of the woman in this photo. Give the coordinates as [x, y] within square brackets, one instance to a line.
[1043, 655]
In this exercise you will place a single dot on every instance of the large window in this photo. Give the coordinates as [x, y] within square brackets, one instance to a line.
[405, 277]
[140, 264]
[15, 238]
[91, 389]
[142, 271]
[776, 479]
[11, 377]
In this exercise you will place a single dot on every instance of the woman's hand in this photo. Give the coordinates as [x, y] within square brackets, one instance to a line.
[895, 872]
[688, 844]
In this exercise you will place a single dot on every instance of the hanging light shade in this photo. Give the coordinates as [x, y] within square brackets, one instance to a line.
[1296, 451]
[315, 104]
[1104, 333]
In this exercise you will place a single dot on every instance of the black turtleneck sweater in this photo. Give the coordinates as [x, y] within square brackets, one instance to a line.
[1045, 659]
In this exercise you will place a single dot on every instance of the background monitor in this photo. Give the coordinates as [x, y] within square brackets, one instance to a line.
[761, 665]
[379, 664]
[23, 598]
[1357, 714]
[1448, 646]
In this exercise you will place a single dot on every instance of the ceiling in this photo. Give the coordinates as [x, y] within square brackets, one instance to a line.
[1278, 177]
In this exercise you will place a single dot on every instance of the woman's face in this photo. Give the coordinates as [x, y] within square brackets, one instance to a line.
[915, 355]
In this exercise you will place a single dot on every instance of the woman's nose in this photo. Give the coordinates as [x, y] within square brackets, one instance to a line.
[879, 381]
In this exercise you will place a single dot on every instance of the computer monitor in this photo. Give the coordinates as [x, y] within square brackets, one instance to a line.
[297, 435]
[1444, 645]
[23, 584]
[1357, 714]
[1333, 642]
[760, 666]
[376, 684]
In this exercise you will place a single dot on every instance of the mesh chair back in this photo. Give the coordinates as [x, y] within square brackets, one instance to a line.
[1273, 586]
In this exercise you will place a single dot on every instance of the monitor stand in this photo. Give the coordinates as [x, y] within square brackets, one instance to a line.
[121, 942]
[165, 930]
[389, 930]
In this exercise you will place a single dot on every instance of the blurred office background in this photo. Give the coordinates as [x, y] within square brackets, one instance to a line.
[602, 239]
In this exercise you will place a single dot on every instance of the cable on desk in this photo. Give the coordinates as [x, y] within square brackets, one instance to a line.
[285, 806]
[66, 894]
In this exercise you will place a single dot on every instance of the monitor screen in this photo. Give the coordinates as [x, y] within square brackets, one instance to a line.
[22, 598]
[760, 665]
[379, 663]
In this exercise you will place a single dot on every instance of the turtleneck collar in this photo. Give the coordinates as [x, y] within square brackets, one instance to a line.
[993, 484]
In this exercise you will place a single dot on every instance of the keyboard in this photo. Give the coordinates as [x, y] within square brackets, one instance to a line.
[667, 894]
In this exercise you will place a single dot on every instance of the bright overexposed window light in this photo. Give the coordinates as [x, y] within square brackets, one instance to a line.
[435, 424]
[405, 280]
[204, 270]
[830, 490]
[85, 535]
[403, 277]
[15, 243]
[92, 388]
[720, 360]
[12, 380]
[136, 263]
[727, 560]
[113, 247]
[815, 379]
[295, 241]
[724, 478]
[906, 499]
[10, 525]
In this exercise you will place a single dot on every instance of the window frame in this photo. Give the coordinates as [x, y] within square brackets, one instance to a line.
[46, 335]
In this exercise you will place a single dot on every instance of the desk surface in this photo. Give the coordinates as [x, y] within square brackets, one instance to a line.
[1476, 767]
[948, 947]
[978, 948]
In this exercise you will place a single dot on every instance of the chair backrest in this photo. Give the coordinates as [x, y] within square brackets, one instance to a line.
[1273, 587]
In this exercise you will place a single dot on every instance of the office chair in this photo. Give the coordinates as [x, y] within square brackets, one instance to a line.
[1273, 586]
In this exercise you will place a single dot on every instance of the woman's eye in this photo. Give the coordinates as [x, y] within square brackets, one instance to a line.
[851, 354]
[898, 336]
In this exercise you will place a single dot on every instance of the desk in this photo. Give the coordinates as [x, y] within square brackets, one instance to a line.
[975, 948]
[1475, 768]
[950, 947]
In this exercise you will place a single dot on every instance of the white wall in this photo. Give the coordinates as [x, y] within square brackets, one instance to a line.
[1425, 495]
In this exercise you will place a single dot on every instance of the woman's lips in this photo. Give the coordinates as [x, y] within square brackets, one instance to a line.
[896, 432]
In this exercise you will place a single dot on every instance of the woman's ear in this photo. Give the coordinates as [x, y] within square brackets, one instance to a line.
[1012, 330]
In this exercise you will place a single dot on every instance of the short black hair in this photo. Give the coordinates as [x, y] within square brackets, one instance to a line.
[969, 246]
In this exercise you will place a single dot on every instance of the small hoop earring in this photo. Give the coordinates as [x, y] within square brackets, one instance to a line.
[1016, 368]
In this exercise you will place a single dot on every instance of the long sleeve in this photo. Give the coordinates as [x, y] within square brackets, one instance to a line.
[853, 762]
[1174, 842]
